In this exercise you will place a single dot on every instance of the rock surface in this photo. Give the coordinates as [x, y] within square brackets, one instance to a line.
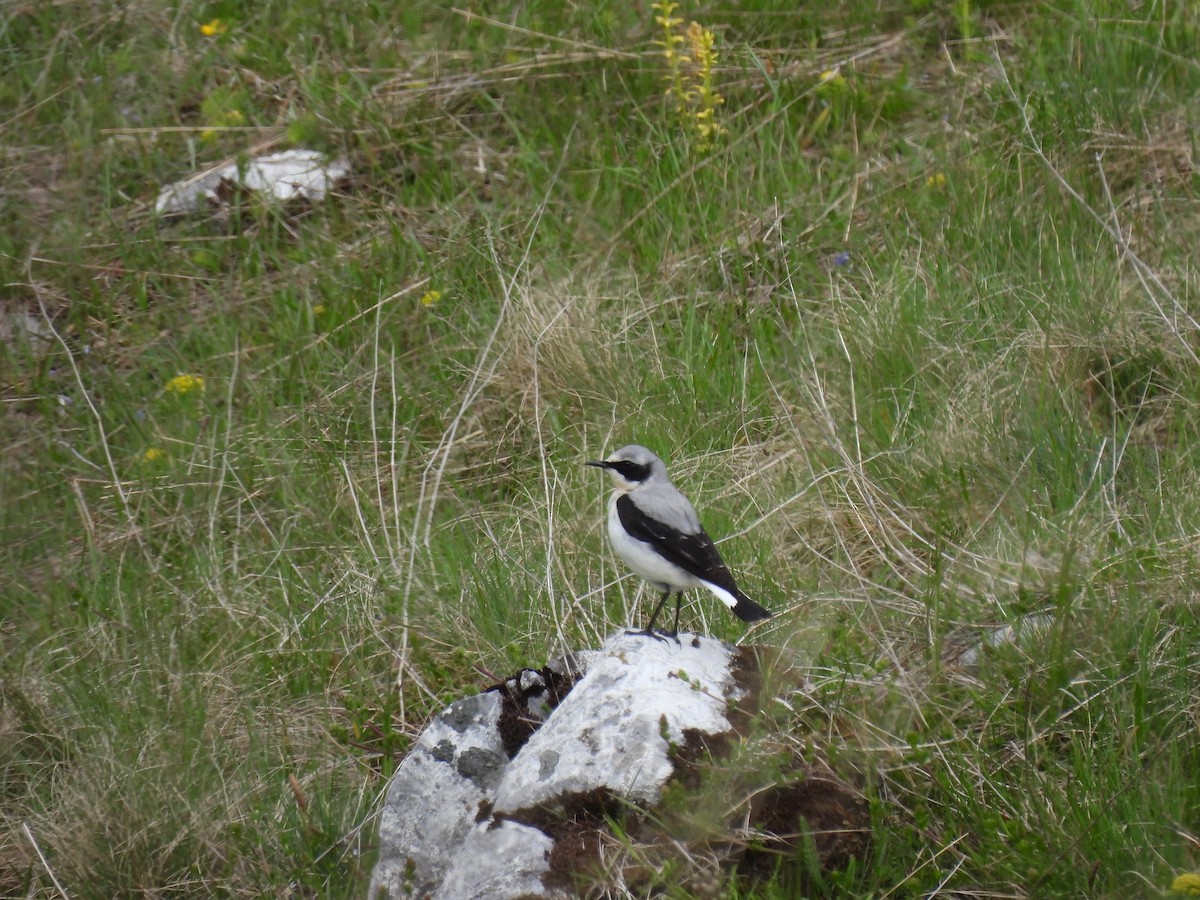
[512, 792]
[285, 176]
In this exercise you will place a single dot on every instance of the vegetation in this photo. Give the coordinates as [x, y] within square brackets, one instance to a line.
[903, 292]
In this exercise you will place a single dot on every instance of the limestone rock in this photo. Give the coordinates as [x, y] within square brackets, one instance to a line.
[511, 793]
[452, 773]
[289, 175]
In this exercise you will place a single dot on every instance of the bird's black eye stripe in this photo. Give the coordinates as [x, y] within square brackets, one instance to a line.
[631, 471]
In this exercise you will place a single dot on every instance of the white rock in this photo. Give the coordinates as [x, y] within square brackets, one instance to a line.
[435, 796]
[499, 860]
[609, 732]
[285, 176]
[458, 820]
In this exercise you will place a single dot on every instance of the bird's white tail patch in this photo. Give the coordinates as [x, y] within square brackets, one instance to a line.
[721, 594]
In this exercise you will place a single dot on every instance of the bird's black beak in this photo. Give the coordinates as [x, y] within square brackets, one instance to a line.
[599, 464]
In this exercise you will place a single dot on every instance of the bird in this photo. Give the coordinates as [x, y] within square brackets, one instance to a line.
[654, 529]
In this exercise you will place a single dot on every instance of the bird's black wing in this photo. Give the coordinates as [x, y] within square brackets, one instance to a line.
[693, 552]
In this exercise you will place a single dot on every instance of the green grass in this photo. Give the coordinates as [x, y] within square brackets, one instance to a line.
[917, 333]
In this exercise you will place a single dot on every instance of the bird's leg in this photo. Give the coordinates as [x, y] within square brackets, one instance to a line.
[654, 615]
[649, 631]
[674, 632]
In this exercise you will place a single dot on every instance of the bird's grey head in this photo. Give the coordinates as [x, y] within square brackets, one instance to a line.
[632, 466]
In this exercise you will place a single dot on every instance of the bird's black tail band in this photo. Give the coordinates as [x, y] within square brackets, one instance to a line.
[749, 611]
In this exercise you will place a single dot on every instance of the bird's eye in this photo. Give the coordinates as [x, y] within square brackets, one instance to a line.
[632, 471]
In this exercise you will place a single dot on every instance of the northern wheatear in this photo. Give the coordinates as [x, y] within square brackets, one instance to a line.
[654, 528]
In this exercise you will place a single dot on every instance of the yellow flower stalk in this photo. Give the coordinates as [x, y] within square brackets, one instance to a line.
[691, 62]
[670, 41]
[704, 96]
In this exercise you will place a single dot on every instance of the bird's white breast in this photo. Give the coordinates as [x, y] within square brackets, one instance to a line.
[642, 559]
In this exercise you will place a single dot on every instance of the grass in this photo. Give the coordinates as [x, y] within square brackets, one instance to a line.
[917, 332]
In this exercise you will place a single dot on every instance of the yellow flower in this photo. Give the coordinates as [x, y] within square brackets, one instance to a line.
[664, 18]
[691, 61]
[225, 119]
[1187, 884]
[213, 28]
[153, 454]
[831, 83]
[701, 96]
[185, 384]
[430, 298]
[318, 309]
[701, 40]
[670, 41]
[937, 180]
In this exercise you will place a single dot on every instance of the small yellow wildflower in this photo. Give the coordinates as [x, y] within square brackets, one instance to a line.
[664, 17]
[1187, 884]
[213, 28]
[937, 180]
[318, 309]
[153, 454]
[832, 83]
[185, 384]
[430, 298]
[225, 119]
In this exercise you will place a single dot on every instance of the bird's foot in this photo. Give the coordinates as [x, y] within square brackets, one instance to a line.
[663, 636]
